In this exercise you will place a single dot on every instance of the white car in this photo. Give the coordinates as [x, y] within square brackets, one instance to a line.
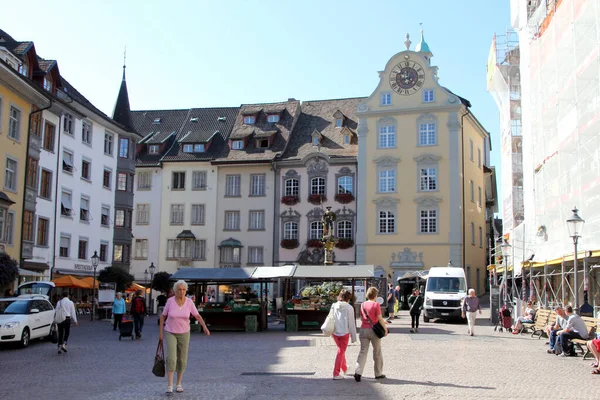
[24, 318]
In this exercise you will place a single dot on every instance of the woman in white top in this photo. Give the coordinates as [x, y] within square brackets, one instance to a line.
[345, 328]
[64, 327]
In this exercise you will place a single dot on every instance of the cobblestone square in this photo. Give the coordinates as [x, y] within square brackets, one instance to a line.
[440, 362]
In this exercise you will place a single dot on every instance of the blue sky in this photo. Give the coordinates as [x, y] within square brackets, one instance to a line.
[183, 54]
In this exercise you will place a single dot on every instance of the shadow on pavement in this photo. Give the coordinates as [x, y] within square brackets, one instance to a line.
[391, 381]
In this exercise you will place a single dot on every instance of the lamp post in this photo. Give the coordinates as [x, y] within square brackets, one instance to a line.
[575, 226]
[146, 285]
[505, 248]
[95, 265]
[152, 270]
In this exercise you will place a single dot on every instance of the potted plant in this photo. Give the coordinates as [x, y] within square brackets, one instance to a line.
[289, 200]
[289, 243]
[317, 199]
[344, 198]
[314, 243]
[344, 243]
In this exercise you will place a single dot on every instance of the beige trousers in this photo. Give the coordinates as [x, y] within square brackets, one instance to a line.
[367, 336]
[471, 318]
[177, 350]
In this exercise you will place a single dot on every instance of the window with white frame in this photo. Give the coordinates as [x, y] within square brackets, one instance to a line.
[48, 83]
[9, 228]
[14, 123]
[66, 203]
[83, 249]
[153, 149]
[103, 256]
[344, 185]
[199, 148]
[386, 222]
[107, 178]
[122, 182]
[273, 118]
[178, 181]
[198, 249]
[292, 187]
[344, 229]
[339, 122]
[123, 148]
[197, 214]
[480, 237]
[108, 143]
[86, 133]
[232, 185]
[232, 220]
[230, 255]
[316, 230]
[65, 245]
[121, 253]
[387, 180]
[142, 214]
[86, 169]
[387, 136]
[255, 255]
[249, 119]
[10, 174]
[68, 125]
[473, 233]
[194, 249]
[67, 163]
[290, 230]
[177, 211]
[105, 217]
[428, 221]
[120, 218]
[427, 134]
[257, 185]
[471, 185]
[237, 144]
[317, 186]
[386, 99]
[199, 180]
[141, 249]
[428, 179]
[428, 96]
[84, 209]
[257, 220]
[46, 184]
[347, 139]
[144, 180]
[188, 148]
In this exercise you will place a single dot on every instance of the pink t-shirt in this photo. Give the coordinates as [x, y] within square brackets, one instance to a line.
[178, 320]
[372, 310]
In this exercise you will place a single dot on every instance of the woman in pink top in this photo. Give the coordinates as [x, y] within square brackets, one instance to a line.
[178, 309]
[370, 313]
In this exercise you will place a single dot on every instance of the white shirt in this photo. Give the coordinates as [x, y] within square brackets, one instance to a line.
[345, 320]
[577, 325]
[69, 308]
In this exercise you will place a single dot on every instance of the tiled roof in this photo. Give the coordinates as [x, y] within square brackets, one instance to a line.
[46, 65]
[5, 37]
[281, 131]
[319, 116]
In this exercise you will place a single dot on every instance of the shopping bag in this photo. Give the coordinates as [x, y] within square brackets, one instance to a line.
[158, 369]
[329, 325]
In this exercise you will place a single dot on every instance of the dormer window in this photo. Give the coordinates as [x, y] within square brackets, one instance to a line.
[273, 118]
[188, 148]
[24, 69]
[153, 149]
[48, 83]
[316, 138]
[157, 121]
[249, 119]
[237, 144]
[315, 141]
[339, 119]
[262, 143]
[199, 148]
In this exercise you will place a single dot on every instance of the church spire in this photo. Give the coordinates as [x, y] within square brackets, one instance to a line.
[423, 47]
[122, 110]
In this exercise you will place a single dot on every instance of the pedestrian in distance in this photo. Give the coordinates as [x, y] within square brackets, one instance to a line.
[118, 309]
[469, 308]
[370, 314]
[67, 308]
[177, 329]
[391, 302]
[415, 302]
[138, 312]
[344, 330]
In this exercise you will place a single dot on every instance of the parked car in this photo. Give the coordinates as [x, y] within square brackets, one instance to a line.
[24, 318]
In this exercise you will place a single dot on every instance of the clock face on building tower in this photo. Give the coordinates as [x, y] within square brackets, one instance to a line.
[407, 77]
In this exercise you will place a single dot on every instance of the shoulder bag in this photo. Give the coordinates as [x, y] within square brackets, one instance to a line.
[53, 333]
[377, 328]
[59, 314]
[158, 369]
[329, 325]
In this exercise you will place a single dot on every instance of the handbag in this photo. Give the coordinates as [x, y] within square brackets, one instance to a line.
[59, 314]
[158, 369]
[377, 328]
[329, 325]
[53, 333]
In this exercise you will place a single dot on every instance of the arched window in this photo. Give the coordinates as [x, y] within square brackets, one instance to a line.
[290, 230]
[291, 187]
[344, 229]
[316, 230]
[344, 184]
[317, 186]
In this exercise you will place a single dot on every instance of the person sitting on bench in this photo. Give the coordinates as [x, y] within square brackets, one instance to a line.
[527, 318]
[575, 329]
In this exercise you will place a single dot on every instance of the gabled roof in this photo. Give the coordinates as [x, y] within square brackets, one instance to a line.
[320, 116]
[280, 131]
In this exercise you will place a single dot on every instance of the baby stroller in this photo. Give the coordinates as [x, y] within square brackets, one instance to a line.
[504, 319]
[126, 329]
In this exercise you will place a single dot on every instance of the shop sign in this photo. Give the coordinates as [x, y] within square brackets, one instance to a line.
[83, 267]
[359, 292]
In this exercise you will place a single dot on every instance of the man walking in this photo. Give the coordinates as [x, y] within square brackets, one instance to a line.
[470, 307]
[138, 311]
[67, 309]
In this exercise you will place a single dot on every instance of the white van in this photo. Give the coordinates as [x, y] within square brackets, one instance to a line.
[445, 290]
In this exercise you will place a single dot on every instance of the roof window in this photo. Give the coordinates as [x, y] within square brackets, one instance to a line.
[195, 119]
[222, 119]
[157, 120]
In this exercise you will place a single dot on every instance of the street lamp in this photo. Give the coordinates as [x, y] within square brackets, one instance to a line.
[95, 259]
[146, 285]
[575, 226]
[152, 270]
[505, 247]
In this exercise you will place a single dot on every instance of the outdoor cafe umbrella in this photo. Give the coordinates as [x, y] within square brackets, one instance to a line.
[89, 280]
[71, 282]
[135, 287]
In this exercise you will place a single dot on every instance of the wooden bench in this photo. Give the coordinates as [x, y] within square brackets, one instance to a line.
[539, 322]
[591, 324]
[551, 322]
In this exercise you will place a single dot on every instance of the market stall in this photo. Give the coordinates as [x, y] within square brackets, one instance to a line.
[79, 294]
[227, 298]
[322, 284]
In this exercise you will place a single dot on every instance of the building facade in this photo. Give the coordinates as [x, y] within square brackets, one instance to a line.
[421, 154]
